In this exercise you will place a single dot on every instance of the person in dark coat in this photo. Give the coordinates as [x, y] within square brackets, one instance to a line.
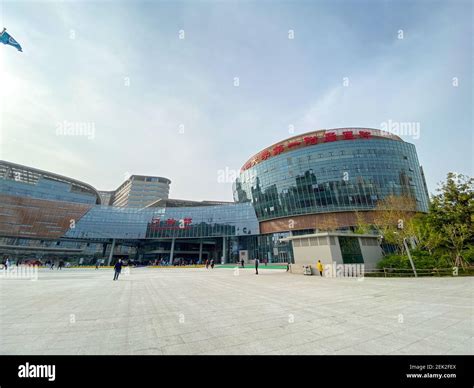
[256, 266]
[118, 269]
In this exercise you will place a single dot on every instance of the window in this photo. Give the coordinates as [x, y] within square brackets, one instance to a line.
[323, 240]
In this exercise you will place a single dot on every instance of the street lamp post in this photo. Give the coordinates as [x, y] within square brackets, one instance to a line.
[409, 256]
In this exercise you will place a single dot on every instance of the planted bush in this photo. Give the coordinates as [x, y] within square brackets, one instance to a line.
[421, 259]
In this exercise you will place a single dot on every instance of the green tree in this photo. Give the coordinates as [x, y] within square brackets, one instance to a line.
[451, 215]
[456, 236]
[362, 226]
[393, 219]
[426, 237]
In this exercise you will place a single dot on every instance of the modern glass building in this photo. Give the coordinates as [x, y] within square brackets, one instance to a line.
[311, 182]
[324, 177]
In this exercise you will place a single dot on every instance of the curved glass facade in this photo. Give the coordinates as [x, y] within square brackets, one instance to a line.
[46, 189]
[157, 223]
[19, 180]
[332, 177]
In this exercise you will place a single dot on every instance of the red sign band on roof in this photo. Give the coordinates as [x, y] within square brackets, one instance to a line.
[321, 136]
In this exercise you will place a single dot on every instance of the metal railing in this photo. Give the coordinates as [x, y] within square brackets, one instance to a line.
[408, 272]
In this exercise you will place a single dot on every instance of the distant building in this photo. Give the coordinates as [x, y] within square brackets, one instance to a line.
[140, 190]
[106, 196]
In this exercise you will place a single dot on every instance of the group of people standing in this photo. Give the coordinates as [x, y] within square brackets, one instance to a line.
[257, 263]
[210, 263]
[319, 266]
[51, 264]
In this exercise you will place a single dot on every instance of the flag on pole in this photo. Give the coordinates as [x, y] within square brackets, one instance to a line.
[6, 38]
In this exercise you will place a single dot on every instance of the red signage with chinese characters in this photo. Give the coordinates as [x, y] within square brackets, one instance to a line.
[322, 136]
[170, 223]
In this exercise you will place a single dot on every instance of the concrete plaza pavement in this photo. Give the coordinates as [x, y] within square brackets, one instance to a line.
[224, 311]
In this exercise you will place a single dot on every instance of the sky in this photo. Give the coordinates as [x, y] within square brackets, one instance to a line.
[191, 90]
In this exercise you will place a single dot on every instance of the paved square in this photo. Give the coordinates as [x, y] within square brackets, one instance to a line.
[220, 311]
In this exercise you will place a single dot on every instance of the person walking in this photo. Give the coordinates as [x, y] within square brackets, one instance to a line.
[320, 267]
[287, 266]
[7, 263]
[61, 265]
[118, 269]
[212, 263]
[52, 264]
[242, 262]
[207, 263]
[256, 266]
